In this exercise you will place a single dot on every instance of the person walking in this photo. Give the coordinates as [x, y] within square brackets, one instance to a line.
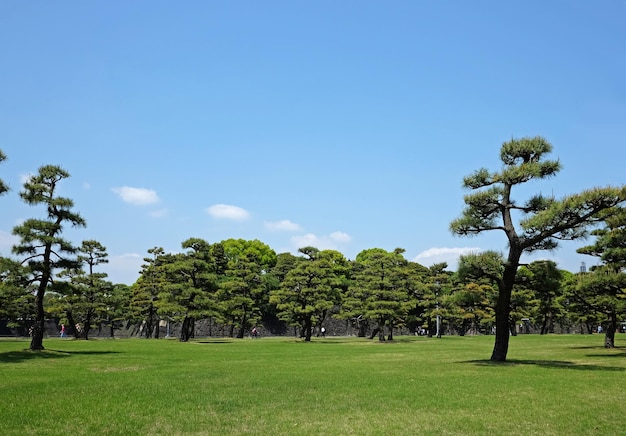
[62, 330]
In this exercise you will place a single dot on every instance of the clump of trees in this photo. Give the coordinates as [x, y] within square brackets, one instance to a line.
[239, 284]
[601, 293]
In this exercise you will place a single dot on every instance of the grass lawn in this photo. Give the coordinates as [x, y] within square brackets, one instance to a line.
[552, 385]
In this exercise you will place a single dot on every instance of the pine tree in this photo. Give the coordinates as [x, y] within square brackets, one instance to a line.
[544, 220]
[40, 239]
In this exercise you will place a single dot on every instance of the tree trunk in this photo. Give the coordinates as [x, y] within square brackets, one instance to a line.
[609, 336]
[512, 327]
[551, 323]
[36, 342]
[148, 326]
[242, 328]
[186, 329]
[184, 337]
[544, 325]
[307, 329]
[87, 325]
[503, 308]
[609, 339]
[362, 327]
[70, 321]
[157, 327]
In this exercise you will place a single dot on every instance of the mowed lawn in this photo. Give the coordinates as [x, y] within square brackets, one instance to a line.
[552, 385]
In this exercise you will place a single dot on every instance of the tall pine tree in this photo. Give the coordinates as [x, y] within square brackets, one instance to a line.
[543, 221]
[40, 239]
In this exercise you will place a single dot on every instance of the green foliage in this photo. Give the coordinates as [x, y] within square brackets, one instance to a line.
[190, 283]
[472, 307]
[436, 300]
[569, 218]
[311, 289]
[84, 295]
[261, 252]
[610, 243]
[603, 290]
[241, 289]
[382, 290]
[544, 281]
[145, 292]
[599, 298]
[285, 262]
[483, 267]
[241, 292]
[16, 293]
[474, 297]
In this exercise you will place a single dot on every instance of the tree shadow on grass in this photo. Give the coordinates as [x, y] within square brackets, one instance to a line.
[608, 352]
[621, 354]
[215, 342]
[557, 364]
[592, 347]
[25, 355]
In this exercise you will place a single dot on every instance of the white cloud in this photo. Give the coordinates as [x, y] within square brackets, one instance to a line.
[444, 254]
[308, 240]
[340, 237]
[229, 212]
[86, 186]
[137, 196]
[283, 225]
[325, 242]
[123, 268]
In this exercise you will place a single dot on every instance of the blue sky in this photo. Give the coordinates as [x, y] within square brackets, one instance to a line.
[345, 125]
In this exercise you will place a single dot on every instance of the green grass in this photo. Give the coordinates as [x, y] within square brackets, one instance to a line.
[552, 385]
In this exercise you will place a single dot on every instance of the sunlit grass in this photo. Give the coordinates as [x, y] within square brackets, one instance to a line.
[551, 385]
